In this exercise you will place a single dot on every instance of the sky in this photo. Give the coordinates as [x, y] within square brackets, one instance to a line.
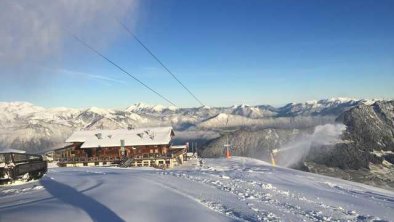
[225, 51]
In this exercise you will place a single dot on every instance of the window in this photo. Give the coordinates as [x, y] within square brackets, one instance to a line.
[20, 157]
[34, 158]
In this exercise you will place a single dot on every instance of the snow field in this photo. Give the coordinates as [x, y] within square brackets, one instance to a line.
[239, 189]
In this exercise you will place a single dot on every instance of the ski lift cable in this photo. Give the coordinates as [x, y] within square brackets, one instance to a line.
[121, 69]
[159, 61]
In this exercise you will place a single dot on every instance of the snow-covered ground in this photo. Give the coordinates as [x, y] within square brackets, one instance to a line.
[240, 189]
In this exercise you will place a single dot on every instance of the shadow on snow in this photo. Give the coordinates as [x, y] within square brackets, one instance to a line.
[69, 195]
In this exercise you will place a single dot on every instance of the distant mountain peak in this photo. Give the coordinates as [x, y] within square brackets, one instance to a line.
[342, 99]
[138, 107]
[97, 110]
[330, 100]
[204, 107]
[240, 106]
[172, 108]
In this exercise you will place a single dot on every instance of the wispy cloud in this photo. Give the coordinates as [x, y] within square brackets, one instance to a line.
[90, 76]
[36, 31]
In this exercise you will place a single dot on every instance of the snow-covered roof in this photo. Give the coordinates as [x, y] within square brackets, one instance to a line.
[178, 147]
[132, 137]
[7, 150]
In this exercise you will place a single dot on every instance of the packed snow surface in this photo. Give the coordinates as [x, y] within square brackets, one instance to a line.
[240, 189]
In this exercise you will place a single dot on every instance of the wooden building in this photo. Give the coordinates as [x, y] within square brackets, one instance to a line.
[136, 147]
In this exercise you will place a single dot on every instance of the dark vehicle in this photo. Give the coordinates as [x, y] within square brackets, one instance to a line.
[21, 166]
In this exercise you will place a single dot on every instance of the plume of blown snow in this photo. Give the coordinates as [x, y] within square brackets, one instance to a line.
[296, 150]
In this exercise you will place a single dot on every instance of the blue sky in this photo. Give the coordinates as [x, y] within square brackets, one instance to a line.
[227, 52]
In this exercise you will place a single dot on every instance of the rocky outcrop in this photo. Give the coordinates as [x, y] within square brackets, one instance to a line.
[363, 153]
[343, 156]
[370, 127]
[366, 151]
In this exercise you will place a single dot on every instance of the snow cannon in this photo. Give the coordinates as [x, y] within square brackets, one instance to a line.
[228, 154]
[273, 152]
[227, 150]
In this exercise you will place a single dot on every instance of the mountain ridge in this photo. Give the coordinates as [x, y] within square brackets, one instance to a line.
[366, 148]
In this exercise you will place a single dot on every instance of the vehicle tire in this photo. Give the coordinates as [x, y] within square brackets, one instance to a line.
[33, 175]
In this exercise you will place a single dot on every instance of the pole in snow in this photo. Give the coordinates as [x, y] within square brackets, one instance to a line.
[196, 149]
[122, 147]
[272, 153]
[227, 150]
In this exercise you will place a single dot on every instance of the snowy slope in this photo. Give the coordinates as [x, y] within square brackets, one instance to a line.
[240, 189]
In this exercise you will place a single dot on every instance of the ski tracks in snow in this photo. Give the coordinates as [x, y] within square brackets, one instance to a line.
[268, 201]
[240, 189]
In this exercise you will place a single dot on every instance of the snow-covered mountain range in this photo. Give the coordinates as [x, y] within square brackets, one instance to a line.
[368, 141]
[30, 127]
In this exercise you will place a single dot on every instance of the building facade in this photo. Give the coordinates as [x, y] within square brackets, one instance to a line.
[126, 147]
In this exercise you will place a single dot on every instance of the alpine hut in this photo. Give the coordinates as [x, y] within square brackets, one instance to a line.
[131, 147]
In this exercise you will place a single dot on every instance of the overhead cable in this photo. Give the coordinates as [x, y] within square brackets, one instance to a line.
[122, 69]
[159, 61]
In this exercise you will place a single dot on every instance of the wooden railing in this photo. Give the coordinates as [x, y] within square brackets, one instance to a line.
[89, 159]
[118, 159]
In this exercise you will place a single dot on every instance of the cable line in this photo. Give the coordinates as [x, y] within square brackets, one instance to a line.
[121, 69]
[158, 60]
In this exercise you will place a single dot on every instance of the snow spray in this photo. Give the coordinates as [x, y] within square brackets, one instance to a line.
[296, 150]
